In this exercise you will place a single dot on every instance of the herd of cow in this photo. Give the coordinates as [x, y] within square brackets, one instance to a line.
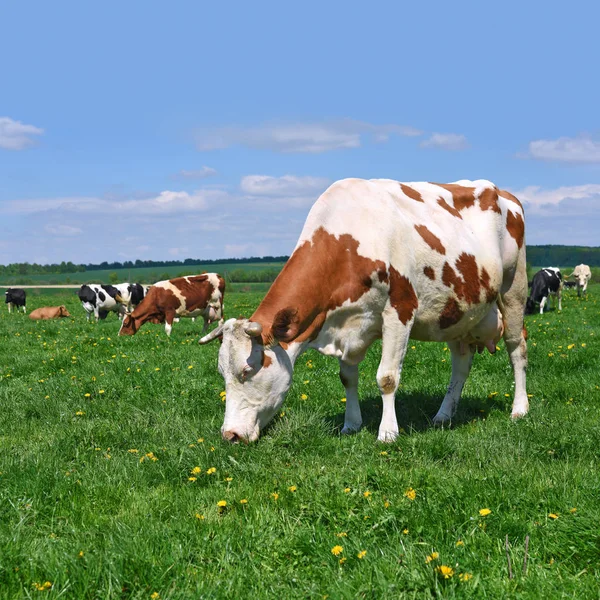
[376, 259]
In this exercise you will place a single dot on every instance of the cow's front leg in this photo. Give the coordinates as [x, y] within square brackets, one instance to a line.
[559, 294]
[10, 307]
[169, 318]
[461, 366]
[542, 304]
[394, 339]
[24, 310]
[97, 314]
[349, 378]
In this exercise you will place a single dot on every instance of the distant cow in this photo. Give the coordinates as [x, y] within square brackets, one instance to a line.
[582, 274]
[545, 283]
[100, 300]
[390, 260]
[568, 284]
[17, 298]
[130, 294]
[49, 312]
[192, 296]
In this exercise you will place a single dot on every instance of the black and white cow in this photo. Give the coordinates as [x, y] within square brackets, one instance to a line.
[17, 298]
[545, 283]
[131, 294]
[100, 300]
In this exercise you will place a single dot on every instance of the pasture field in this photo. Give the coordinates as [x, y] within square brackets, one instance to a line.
[115, 482]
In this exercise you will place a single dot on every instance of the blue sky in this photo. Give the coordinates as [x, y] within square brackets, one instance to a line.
[173, 130]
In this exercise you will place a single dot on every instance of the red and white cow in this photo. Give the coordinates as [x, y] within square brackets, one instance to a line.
[165, 301]
[390, 260]
[582, 274]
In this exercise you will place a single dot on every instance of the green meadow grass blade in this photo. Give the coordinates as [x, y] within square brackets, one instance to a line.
[112, 470]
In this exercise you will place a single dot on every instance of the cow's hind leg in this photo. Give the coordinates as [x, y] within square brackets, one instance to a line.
[395, 335]
[515, 338]
[461, 366]
[349, 378]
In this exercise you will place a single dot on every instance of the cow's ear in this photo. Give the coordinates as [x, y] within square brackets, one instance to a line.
[286, 325]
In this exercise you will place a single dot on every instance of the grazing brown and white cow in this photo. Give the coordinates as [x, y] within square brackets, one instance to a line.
[49, 312]
[390, 260]
[582, 274]
[193, 296]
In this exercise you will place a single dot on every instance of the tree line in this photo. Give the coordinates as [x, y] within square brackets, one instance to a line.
[538, 256]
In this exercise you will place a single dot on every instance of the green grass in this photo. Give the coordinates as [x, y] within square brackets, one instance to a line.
[84, 506]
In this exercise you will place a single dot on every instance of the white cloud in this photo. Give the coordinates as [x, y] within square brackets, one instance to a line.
[446, 141]
[15, 135]
[311, 138]
[201, 173]
[63, 230]
[578, 197]
[167, 202]
[582, 149]
[287, 185]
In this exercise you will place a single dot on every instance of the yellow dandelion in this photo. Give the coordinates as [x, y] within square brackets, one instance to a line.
[155, 596]
[570, 346]
[386, 504]
[87, 395]
[222, 503]
[199, 517]
[343, 400]
[192, 478]
[292, 488]
[433, 556]
[553, 516]
[361, 554]
[211, 470]
[200, 440]
[101, 391]
[367, 494]
[459, 543]
[133, 450]
[405, 531]
[80, 555]
[223, 393]
[384, 453]
[303, 397]
[347, 490]
[157, 369]
[228, 479]
[341, 534]
[191, 367]
[342, 560]
[410, 494]
[492, 394]
[337, 550]
[445, 571]
[573, 510]
[274, 495]
[550, 354]
[80, 413]
[465, 576]
[484, 512]
[244, 501]
[196, 471]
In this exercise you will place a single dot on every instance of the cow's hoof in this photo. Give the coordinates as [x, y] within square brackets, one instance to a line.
[387, 436]
[351, 429]
[441, 420]
[518, 414]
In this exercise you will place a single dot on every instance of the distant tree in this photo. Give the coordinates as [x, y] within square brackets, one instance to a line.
[113, 278]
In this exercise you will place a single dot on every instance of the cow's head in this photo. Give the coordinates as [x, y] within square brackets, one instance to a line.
[63, 312]
[257, 378]
[581, 275]
[529, 306]
[128, 326]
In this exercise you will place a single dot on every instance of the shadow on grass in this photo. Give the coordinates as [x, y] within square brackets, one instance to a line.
[415, 412]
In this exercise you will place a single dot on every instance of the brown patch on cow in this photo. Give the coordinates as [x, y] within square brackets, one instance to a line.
[509, 196]
[321, 275]
[463, 197]
[387, 385]
[451, 314]
[430, 239]
[411, 193]
[429, 272]
[467, 265]
[451, 279]
[265, 360]
[402, 296]
[515, 227]
[488, 200]
[524, 332]
[468, 283]
[442, 202]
